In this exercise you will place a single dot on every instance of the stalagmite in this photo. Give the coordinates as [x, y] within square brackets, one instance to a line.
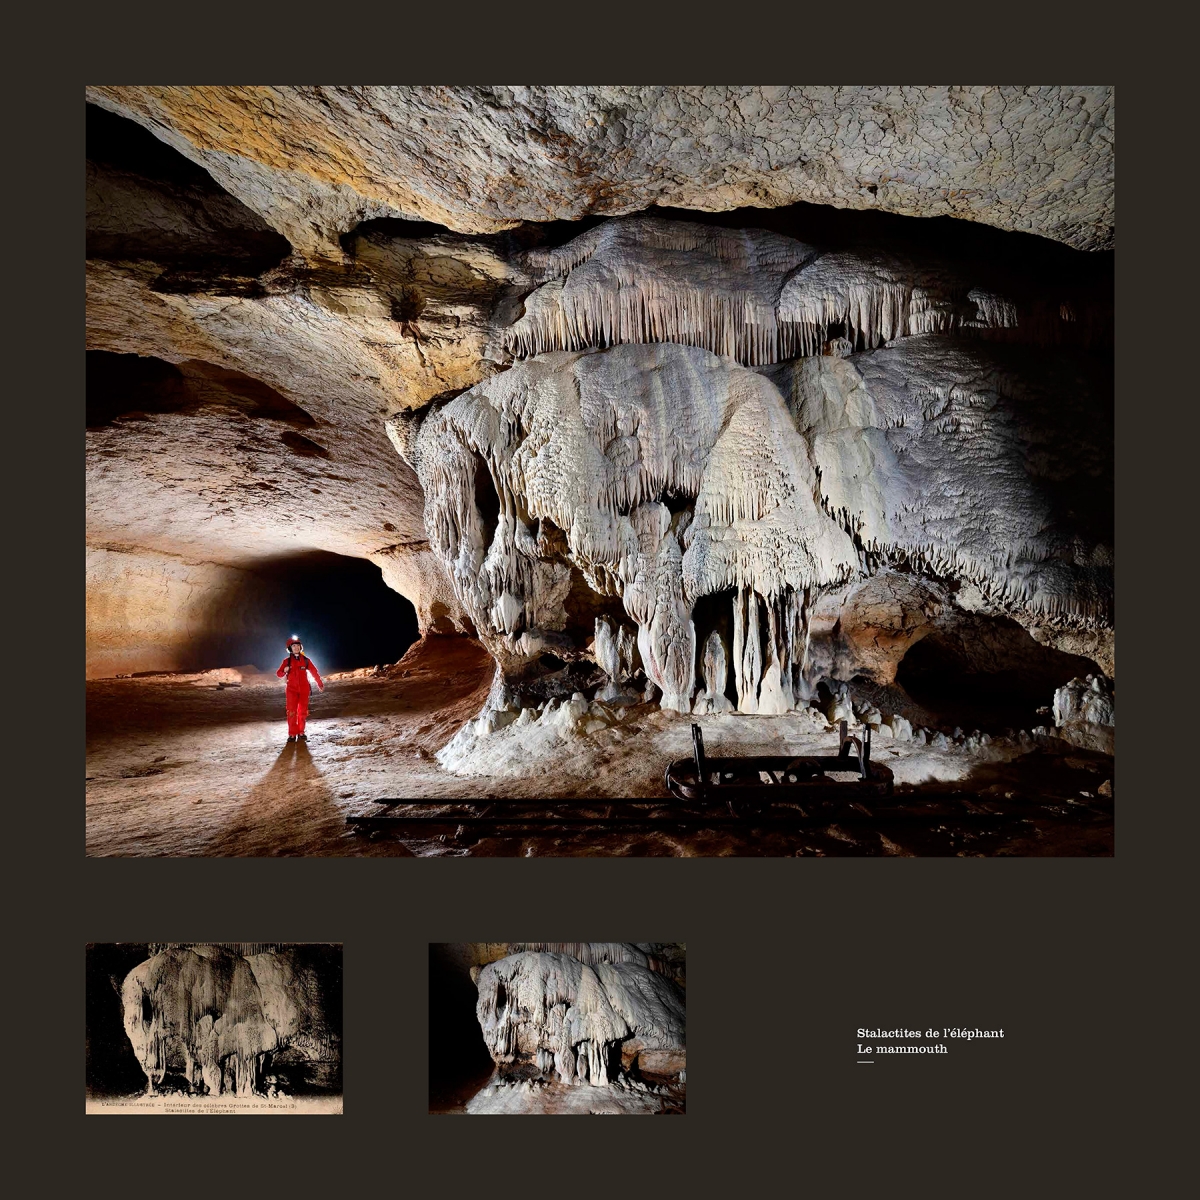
[1089, 700]
[716, 675]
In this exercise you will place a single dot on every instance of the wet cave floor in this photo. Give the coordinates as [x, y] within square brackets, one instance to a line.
[177, 766]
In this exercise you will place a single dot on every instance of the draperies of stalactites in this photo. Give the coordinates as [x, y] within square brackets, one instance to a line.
[759, 297]
[243, 948]
[543, 1008]
[213, 1014]
[671, 474]
[770, 651]
[586, 952]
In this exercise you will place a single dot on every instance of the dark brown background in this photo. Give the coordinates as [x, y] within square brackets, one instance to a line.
[1080, 961]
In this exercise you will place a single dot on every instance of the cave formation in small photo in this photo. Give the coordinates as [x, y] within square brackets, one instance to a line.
[738, 422]
[557, 1028]
[242, 1027]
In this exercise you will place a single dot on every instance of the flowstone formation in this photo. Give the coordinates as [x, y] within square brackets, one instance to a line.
[594, 1015]
[713, 438]
[222, 1016]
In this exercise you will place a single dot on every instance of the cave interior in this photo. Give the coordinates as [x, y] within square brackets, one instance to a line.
[759, 461]
[540, 1028]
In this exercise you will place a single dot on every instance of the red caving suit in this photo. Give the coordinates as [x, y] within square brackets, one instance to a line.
[296, 670]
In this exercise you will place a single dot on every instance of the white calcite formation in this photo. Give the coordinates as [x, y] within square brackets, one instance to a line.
[716, 675]
[1085, 713]
[659, 474]
[964, 460]
[1089, 700]
[214, 1015]
[565, 1014]
[587, 952]
[642, 279]
[751, 295]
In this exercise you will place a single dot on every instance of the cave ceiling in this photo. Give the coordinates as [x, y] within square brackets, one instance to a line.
[315, 161]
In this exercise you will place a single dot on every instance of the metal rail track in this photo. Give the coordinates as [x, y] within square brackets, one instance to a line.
[573, 815]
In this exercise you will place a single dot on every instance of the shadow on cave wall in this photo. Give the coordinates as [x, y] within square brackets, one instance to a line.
[134, 385]
[146, 200]
[111, 1068]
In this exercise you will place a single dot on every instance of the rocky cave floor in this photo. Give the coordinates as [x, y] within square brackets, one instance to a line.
[178, 765]
[487, 1096]
[545, 1098]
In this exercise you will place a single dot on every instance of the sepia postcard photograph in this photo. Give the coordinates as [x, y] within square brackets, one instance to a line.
[216, 1027]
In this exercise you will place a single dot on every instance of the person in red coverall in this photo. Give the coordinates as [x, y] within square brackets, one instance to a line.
[295, 669]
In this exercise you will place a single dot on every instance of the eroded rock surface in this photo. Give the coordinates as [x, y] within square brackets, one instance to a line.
[316, 161]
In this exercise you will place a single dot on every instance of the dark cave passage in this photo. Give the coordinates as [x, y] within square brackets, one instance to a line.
[112, 1068]
[135, 385]
[992, 678]
[459, 1062]
[340, 607]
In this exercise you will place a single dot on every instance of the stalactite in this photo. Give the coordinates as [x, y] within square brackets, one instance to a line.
[641, 279]
[750, 295]
[585, 952]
